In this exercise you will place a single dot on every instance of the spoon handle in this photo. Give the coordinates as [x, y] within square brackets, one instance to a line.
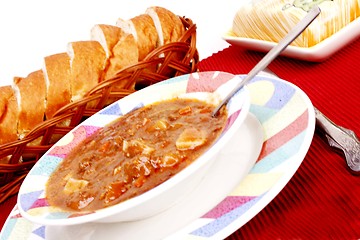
[273, 53]
[342, 138]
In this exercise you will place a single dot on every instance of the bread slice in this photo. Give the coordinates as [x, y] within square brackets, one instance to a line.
[30, 93]
[9, 115]
[119, 47]
[143, 29]
[57, 78]
[87, 62]
[168, 25]
[125, 53]
[170, 29]
[107, 35]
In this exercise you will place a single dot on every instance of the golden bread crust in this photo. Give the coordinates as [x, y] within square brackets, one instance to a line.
[87, 62]
[107, 36]
[125, 53]
[57, 75]
[169, 24]
[9, 114]
[147, 37]
[32, 101]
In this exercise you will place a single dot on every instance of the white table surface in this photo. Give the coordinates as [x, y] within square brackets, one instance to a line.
[31, 30]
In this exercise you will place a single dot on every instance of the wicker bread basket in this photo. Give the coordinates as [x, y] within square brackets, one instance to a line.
[170, 60]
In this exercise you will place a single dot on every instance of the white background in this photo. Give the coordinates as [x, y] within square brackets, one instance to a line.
[31, 30]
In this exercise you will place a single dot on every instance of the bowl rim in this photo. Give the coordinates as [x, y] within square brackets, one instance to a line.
[83, 217]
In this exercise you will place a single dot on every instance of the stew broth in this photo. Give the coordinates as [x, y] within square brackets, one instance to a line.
[134, 154]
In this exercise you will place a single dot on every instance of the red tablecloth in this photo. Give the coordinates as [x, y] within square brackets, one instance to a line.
[6, 208]
[322, 200]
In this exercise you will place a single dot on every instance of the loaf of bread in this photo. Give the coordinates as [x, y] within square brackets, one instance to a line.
[271, 20]
[68, 76]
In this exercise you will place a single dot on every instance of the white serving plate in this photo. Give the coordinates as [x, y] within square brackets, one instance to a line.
[287, 122]
[318, 53]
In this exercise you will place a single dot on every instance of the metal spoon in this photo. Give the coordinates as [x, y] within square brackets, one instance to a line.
[272, 54]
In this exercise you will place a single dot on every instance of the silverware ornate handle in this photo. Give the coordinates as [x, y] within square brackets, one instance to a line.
[341, 138]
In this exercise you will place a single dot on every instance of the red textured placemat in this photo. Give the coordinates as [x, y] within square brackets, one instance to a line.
[322, 200]
[5, 209]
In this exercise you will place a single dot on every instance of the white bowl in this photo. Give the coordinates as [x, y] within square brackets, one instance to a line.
[32, 201]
